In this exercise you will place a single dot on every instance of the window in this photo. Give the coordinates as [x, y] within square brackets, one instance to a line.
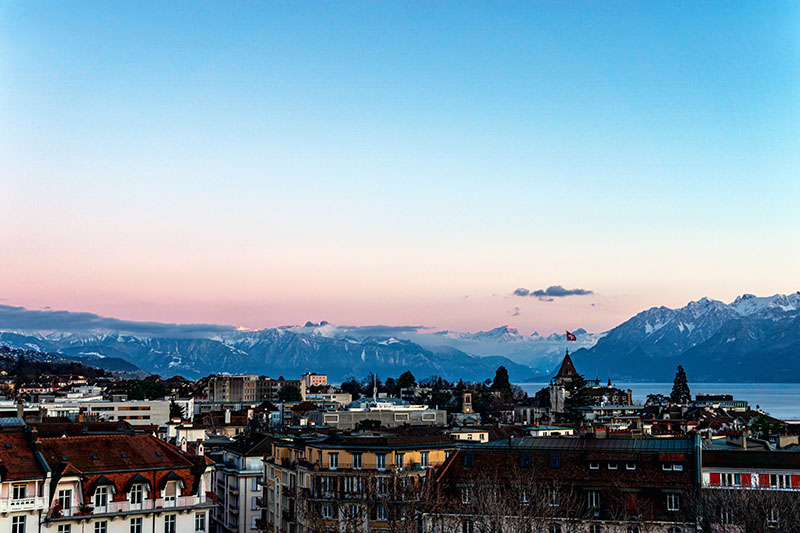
[20, 492]
[382, 485]
[781, 481]
[101, 496]
[65, 501]
[333, 461]
[136, 525]
[169, 523]
[170, 492]
[673, 502]
[594, 528]
[254, 503]
[400, 460]
[594, 466]
[666, 467]
[357, 461]
[101, 527]
[677, 467]
[773, 518]
[525, 460]
[555, 460]
[18, 524]
[200, 523]
[381, 513]
[380, 461]
[327, 511]
[730, 480]
[554, 528]
[467, 527]
[65, 528]
[593, 499]
[137, 494]
[553, 497]
[630, 466]
[613, 466]
[469, 459]
[466, 495]
[254, 485]
[674, 530]
[423, 459]
[633, 529]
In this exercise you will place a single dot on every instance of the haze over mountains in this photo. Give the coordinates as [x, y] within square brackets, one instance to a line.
[750, 339]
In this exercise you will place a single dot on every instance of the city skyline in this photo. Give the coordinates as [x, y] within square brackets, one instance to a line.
[403, 164]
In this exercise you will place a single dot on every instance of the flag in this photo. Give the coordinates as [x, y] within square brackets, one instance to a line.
[571, 336]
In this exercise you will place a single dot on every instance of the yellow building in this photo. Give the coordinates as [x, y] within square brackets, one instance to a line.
[349, 483]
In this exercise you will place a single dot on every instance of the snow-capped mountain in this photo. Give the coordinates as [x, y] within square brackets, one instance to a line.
[751, 339]
[273, 352]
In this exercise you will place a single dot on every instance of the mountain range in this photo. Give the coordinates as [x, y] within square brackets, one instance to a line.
[750, 339]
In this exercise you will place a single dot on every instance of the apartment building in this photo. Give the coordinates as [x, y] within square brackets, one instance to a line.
[243, 388]
[561, 484]
[124, 484]
[24, 484]
[238, 477]
[348, 483]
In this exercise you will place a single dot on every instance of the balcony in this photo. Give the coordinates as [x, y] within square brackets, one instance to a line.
[116, 508]
[22, 504]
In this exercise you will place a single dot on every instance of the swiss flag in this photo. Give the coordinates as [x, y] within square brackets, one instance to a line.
[571, 336]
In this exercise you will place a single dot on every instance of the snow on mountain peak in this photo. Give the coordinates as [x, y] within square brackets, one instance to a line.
[750, 304]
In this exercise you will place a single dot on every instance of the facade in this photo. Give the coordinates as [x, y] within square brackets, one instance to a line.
[124, 484]
[568, 484]
[238, 478]
[24, 484]
[136, 412]
[751, 489]
[349, 483]
[314, 380]
[243, 388]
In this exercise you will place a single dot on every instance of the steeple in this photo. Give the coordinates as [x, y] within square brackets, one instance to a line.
[567, 371]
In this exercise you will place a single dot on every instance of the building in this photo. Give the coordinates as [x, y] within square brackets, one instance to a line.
[383, 412]
[243, 388]
[545, 430]
[568, 484]
[135, 412]
[24, 484]
[750, 486]
[238, 477]
[349, 483]
[124, 484]
[314, 380]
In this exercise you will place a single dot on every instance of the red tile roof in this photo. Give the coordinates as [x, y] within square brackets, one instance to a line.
[17, 459]
[103, 453]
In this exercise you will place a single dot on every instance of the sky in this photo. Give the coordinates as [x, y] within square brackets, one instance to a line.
[547, 165]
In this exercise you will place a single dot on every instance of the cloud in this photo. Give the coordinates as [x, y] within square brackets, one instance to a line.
[551, 292]
[515, 311]
[380, 330]
[19, 318]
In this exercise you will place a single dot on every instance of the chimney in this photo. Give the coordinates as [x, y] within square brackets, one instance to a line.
[20, 409]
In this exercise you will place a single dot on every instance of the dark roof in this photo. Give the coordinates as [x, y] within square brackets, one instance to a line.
[577, 444]
[567, 369]
[778, 459]
[17, 458]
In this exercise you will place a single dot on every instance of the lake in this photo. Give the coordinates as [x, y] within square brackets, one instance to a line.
[781, 400]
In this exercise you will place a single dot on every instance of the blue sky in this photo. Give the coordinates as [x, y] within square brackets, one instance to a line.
[266, 163]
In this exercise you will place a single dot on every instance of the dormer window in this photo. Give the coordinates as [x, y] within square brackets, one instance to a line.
[101, 497]
[136, 495]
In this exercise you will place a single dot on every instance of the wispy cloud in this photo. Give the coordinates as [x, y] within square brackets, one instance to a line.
[20, 318]
[551, 292]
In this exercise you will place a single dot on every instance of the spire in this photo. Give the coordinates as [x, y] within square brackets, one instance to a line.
[567, 370]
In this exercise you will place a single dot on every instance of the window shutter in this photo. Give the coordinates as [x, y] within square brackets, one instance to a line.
[714, 478]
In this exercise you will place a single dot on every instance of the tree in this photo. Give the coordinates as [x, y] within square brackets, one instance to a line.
[680, 388]
[576, 395]
[501, 383]
[353, 387]
[763, 427]
[406, 380]
[656, 399]
[175, 410]
[290, 393]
